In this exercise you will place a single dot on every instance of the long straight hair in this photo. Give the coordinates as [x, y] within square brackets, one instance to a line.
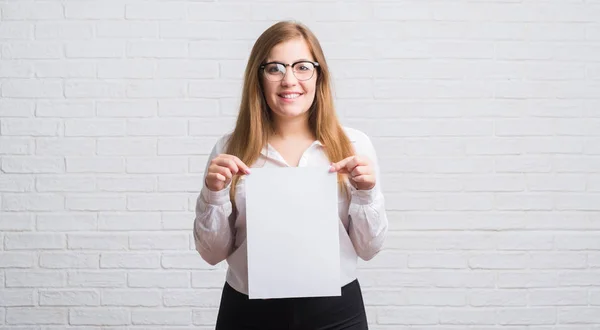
[254, 123]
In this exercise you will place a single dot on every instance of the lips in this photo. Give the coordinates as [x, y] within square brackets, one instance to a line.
[290, 95]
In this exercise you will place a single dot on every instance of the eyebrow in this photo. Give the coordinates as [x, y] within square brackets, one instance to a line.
[298, 60]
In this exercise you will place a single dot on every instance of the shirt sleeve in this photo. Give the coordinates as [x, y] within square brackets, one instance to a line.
[368, 219]
[213, 225]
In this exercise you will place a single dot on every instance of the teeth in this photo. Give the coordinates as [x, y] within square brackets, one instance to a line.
[290, 96]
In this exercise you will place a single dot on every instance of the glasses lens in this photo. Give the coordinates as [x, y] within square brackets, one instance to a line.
[304, 70]
[274, 71]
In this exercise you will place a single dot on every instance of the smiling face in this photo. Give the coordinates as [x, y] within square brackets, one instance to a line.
[290, 97]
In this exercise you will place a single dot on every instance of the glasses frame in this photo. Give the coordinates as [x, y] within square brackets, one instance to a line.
[263, 66]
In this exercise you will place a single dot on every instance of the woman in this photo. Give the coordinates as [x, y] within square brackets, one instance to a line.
[287, 118]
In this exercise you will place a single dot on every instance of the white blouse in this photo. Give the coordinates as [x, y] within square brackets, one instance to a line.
[220, 234]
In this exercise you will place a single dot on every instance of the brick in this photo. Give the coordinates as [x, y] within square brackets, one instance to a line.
[99, 241]
[15, 69]
[33, 202]
[95, 127]
[432, 260]
[129, 221]
[156, 11]
[180, 183]
[160, 279]
[11, 221]
[159, 241]
[65, 184]
[71, 221]
[560, 260]
[579, 315]
[95, 164]
[16, 108]
[157, 165]
[157, 127]
[187, 69]
[69, 260]
[15, 145]
[499, 261]
[518, 280]
[65, 109]
[80, 89]
[17, 183]
[209, 126]
[97, 279]
[132, 298]
[30, 127]
[34, 241]
[99, 316]
[188, 108]
[126, 29]
[492, 298]
[17, 260]
[17, 297]
[31, 11]
[126, 109]
[36, 315]
[558, 297]
[164, 88]
[142, 183]
[189, 298]
[130, 260]
[64, 30]
[90, 10]
[467, 316]
[60, 69]
[413, 316]
[184, 146]
[35, 279]
[577, 241]
[578, 278]
[127, 146]
[31, 50]
[65, 146]
[530, 316]
[157, 49]
[33, 89]
[69, 298]
[161, 317]
[96, 203]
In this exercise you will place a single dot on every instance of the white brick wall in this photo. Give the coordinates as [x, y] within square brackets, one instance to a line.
[485, 115]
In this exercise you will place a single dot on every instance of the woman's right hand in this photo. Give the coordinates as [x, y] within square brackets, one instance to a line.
[222, 169]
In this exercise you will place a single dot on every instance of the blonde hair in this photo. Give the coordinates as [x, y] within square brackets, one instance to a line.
[254, 124]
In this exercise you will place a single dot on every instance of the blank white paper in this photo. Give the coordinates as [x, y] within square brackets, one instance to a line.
[292, 232]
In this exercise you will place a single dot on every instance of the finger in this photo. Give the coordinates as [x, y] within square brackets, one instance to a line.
[364, 179]
[216, 177]
[224, 171]
[229, 163]
[360, 170]
[238, 162]
[341, 165]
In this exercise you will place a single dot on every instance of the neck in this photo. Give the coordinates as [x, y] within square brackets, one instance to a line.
[292, 128]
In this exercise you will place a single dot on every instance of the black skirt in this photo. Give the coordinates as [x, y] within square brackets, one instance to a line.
[237, 312]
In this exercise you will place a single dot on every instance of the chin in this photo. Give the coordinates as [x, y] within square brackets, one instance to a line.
[291, 113]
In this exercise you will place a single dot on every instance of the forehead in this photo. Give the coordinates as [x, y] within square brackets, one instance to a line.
[290, 51]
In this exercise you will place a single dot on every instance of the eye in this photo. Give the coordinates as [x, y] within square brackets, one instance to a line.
[273, 68]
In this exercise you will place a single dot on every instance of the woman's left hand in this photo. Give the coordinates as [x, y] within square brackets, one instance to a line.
[359, 170]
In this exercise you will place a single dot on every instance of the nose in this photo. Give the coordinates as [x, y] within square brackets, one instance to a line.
[289, 79]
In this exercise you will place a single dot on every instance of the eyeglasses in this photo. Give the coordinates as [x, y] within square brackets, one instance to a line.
[303, 70]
